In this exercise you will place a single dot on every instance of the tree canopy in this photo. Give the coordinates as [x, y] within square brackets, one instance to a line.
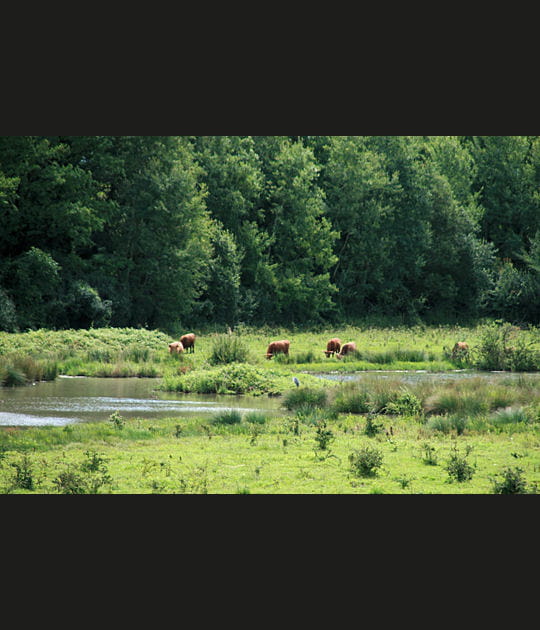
[170, 231]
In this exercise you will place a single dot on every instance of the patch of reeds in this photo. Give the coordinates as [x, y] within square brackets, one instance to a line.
[305, 397]
[229, 416]
[17, 370]
[228, 349]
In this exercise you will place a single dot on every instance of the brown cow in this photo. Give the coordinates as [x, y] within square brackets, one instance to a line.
[461, 349]
[188, 342]
[176, 347]
[346, 348]
[277, 347]
[332, 347]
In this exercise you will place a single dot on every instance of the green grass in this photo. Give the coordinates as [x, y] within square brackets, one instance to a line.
[280, 456]
[496, 424]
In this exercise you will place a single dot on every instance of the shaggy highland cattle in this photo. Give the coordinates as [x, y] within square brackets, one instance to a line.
[277, 347]
[188, 341]
[176, 347]
[346, 349]
[333, 347]
[461, 349]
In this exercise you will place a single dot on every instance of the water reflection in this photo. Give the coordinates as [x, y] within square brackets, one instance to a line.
[72, 400]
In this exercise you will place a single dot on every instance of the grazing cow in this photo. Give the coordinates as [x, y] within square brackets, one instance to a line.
[346, 348]
[332, 347]
[176, 347]
[277, 347]
[188, 342]
[461, 349]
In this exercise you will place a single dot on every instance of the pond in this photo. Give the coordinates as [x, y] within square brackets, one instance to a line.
[69, 400]
[423, 375]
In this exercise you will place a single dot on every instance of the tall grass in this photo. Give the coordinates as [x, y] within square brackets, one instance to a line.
[228, 349]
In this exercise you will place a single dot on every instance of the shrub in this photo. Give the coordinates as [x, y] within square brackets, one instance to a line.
[231, 416]
[458, 467]
[509, 415]
[351, 402]
[24, 474]
[372, 428]
[304, 397]
[406, 404]
[10, 376]
[448, 424]
[255, 417]
[323, 436]
[366, 461]
[228, 349]
[512, 482]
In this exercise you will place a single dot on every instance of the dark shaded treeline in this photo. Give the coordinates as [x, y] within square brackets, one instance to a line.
[166, 231]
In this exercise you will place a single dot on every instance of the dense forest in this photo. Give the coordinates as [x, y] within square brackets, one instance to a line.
[181, 231]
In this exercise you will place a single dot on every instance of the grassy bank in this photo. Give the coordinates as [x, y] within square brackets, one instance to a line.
[313, 448]
[137, 352]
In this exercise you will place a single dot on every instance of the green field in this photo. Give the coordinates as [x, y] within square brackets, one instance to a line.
[465, 437]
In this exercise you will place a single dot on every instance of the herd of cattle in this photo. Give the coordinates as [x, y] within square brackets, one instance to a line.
[333, 347]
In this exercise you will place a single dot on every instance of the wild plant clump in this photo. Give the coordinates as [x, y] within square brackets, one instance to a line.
[458, 467]
[228, 349]
[305, 397]
[512, 482]
[366, 461]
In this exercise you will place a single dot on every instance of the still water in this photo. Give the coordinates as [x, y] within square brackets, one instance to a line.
[70, 400]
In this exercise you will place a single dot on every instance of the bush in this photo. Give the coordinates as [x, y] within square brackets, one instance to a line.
[366, 461]
[231, 416]
[512, 482]
[228, 349]
[406, 404]
[458, 467]
[448, 424]
[305, 396]
[351, 402]
[256, 417]
[509, 415]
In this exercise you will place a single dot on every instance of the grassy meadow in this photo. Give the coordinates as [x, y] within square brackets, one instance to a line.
[375, 436]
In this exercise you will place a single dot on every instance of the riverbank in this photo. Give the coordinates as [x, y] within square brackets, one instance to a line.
[108, 352]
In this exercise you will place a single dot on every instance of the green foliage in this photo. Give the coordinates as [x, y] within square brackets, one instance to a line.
[228, 349]
[256, 417]
[458, 467]
[323, 436]
[24, 475]
[161, 231]
[231, 416]
[366, 461]
[512, 481]
[405, 404]
[305, 396]
[502, 348]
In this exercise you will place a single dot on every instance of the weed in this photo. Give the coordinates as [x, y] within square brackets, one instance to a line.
[458, 467]
[366, 461]
[323, 436]
[429, 454]
[512, 482]
[406, 404]
[305, 396]
[255, 417]
[231, 416]
[509, 415]
[117, 420]
[372, 428]
[404, 482]
[24, 474]
[228, 349]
